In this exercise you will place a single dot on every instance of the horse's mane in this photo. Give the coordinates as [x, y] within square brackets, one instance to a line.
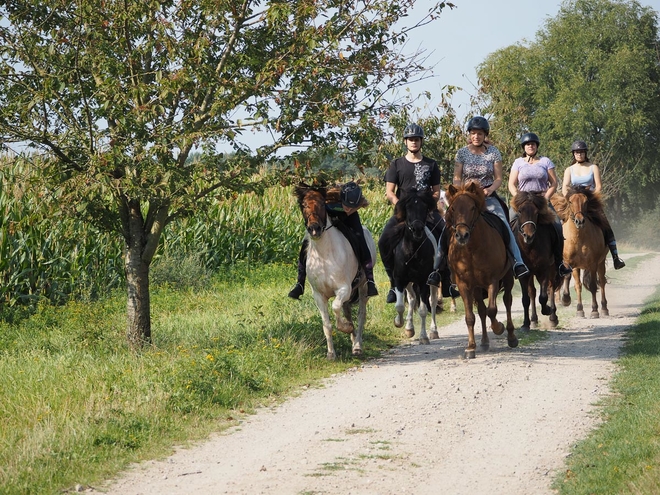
[472, 190]
[546, 215]
[407, 197]
[595, 206]
[302, 189]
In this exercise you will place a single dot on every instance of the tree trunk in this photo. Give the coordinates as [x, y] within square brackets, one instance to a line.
[141, 240]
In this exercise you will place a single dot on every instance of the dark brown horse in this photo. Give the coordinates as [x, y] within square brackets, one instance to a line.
[535, 235]
[478, 260]
[584, 246]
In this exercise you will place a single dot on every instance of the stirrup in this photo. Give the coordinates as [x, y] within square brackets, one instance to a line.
[520, 270]
[434, 279]
[564, 270]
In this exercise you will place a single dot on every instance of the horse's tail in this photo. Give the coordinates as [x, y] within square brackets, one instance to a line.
[592, 280]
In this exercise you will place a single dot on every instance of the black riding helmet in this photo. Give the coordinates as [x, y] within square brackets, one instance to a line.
[413, 130]
[351, 195]
[478, 123]
[529, 137]
[579, 146]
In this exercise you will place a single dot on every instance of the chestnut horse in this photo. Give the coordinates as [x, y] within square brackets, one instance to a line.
[535, 235]
[584, 246]
[332, 266]
[413, 257]
[478, 260]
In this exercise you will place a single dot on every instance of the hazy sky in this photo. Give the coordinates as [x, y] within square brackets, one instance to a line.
[464, 36]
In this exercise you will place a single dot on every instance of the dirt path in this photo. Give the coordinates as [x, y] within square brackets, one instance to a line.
[423, 420]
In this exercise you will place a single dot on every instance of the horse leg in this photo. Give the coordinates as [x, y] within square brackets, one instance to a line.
[496, 326]
[592, 286]
[423, 311]
[511, 338]
[344, 323]
[602, 281]
[525, 303]
[433, 300]
[531, 290]
[554, 320]
[470, 350]
[322, 304]
[413, 304]
[481, 307]
[544, 296]
[566, 289]
[399, 306]
[452, 308]
[578, 292]
[356, 336]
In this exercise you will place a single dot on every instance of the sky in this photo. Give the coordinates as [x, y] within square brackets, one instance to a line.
[462, 38]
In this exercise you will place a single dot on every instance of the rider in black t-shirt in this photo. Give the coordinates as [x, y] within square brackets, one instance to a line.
[411, 172]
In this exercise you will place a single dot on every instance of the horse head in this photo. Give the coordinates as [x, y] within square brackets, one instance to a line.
[583, 204]
[413, 209]
[532, 210]
[466, 204]
[311, 201]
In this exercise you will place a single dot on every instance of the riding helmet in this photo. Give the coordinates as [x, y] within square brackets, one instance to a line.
[413, 130]
[478, 123]
[579, 146]
[351, 195]
[529, 137]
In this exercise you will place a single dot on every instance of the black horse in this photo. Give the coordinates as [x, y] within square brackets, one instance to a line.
[412, 253]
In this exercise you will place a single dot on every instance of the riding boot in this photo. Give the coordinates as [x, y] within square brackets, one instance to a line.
[564, 269]
[618, 262]
[368, 268]
[299, 289]
[391, 295]
[611, 244]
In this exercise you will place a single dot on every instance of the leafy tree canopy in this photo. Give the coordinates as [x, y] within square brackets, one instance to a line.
[593, 73]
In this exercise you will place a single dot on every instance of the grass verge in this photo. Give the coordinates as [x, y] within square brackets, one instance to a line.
[623, 454]
[77, 406]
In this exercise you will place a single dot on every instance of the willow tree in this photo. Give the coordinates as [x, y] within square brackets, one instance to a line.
[119, 93]
[592, 73]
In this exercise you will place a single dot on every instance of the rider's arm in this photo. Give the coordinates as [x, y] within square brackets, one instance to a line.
[390, 192]
[567, 181]
[513, 181]
[458, 174]
[552, 183]
[436, 193]
[598, 185]
[497, 179]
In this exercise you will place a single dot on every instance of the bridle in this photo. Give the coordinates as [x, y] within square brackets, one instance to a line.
[469, 226]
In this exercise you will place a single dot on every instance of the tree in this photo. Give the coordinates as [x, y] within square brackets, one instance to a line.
[118, 95]
[593, 73]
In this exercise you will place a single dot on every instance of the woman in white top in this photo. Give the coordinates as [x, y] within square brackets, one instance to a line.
[583, 173]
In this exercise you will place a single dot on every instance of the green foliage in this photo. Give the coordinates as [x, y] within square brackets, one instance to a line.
[591, 74]
[623, 454]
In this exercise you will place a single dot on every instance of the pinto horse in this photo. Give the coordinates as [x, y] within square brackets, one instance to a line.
[478, 260]
[332, 267]
[535, 235]
[413, 257]
[584, 247]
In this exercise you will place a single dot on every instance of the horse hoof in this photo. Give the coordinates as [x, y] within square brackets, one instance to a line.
[357, 352]
[398, 322]
[332, 356]
[595, 314]
[554, 322]
[500, 328]
[485, 347]
[580, 314]
[546, 311]
[348, 329]
[470, 353]
[525, 328]
[410, 333]
[566, 301]
[424, 341]
[513, 343]
[605, 312]
[434, 335]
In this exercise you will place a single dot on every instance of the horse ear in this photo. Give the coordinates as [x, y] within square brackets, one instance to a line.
[451, 192]
[474, 187]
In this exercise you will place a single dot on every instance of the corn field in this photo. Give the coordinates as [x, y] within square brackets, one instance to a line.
[46, 254]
